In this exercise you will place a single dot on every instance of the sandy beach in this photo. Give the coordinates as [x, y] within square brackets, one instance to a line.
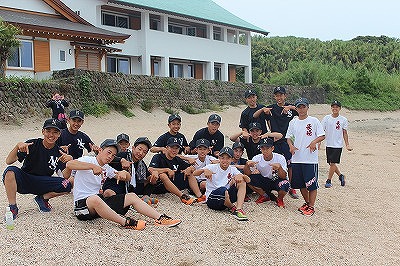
[358, 224]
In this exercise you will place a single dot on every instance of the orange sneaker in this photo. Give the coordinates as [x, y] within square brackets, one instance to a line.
[165, 220]
[262, 199]
[187, 199]
[309, 211]
[201, 199]
[134, 224]
[303, 207]
[280, 203]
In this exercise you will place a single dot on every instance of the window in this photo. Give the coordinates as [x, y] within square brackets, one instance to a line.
[191, 31]
[175, 70]
[175, 29]
[22, 56]
[190, 71]
[62, 56]
[115, 20]
[155, 22]
[232, 36]
[156, 66]
[217, 33]
[217, 73]
[243, 38]
[118, 65]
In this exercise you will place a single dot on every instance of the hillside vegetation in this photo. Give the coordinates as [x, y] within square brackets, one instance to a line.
[363, 73]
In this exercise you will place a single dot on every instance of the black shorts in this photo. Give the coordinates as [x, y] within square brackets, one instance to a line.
[115, 202]
[333, 155]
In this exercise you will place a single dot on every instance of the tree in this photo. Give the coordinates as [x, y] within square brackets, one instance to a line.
[8, 42]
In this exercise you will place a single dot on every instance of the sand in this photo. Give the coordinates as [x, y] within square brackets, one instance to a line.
[353, 225]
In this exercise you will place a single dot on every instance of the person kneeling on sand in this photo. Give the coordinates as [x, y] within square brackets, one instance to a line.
[90, 171]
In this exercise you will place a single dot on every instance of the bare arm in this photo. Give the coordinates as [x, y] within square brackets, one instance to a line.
[275, 135]
[346, 140]
[158, 149]
[13, 155]
[235, 137]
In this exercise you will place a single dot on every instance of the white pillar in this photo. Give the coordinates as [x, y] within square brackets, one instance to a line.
[247, 74]
[209, 71]
[164, 67]
[224, 72]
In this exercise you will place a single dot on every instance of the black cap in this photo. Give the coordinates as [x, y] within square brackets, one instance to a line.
[226, 150]
[254, 125]
[237, 144]
[143, 140]
[174, 117]
[248, 93]
[267, 142]
[174, 142]
[76, 114]
[109, 143]
[51, 123]
[336, 102]
[214, 118]
[280, 90]
[122, 136]
[301, 101]
[202, 142]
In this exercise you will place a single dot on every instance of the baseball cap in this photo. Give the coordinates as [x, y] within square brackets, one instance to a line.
[280, 90]
[109, 143]
[301, 101]
[76, 114]
[202, 142]
[226, 150]
[122, 136]
[237, 144]
[51, 123]
[174, 117]
[173, 142]
[254, 125]
[336, 102]
[143, 140]
[267, 142]
[248, 93]
[214, 118]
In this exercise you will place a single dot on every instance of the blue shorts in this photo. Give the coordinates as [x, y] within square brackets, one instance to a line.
[282, 147]
[305, 176]
[268, 185]
[38, 185]
[216, 199]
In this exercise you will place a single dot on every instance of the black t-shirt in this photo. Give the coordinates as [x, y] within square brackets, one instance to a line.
[246, 118]
[241, 161]
[40, 161]
[159, 160]
[57, 106]
[78, 141]
[216, 140]
[116, 162]
[251, 148]
[162, 140]
[279, 121]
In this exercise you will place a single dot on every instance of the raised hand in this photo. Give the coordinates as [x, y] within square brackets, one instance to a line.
[24, 147]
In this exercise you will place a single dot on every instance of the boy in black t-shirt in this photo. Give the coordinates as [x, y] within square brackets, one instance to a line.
[41, 158]
[169, 172]
[246, 117]
[174, 124]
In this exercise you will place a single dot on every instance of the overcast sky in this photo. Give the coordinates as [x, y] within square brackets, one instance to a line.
[322, 19]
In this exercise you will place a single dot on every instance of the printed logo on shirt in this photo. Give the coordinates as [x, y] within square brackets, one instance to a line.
[80, 143]
[289, 113]
[337, 125]
[213, 142]
[53, 162]
[309, 130]
[175, 166]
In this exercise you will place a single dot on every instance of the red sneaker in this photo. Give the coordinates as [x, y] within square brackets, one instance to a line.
[309, 211]
[262, 199]
[303, 207]
[280, 203]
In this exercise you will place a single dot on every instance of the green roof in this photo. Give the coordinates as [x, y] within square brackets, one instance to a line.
[205, 10]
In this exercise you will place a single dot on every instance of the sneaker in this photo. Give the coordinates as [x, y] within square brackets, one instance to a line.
[342, 182]
[280, 203]
[303, 207]
[308, 211]
[328, 184]
[43, 204]
[134, 224]
[150, 200]
[201, 199]
[247, 198]
[165, 220]
[14, 210]
[262, 199]
[240, 215]
[293, 194]
[233, 209]
[187, 199]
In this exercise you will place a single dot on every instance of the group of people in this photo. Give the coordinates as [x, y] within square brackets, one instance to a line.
[203, 170]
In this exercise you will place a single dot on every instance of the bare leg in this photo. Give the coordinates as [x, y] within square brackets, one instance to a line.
[312, 197]
[169, 185]
[227, 201]
[258, 190]
[240, 194]
[97, 205]
[50, 195]
[194, 186]
[140, 206]
[108, 193]
[10, 185]
[304, 193]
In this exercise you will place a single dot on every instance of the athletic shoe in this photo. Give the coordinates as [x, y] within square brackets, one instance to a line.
[43, 204]
[328, 184]
[293, 194]
[187, 199]
[303, 207]
[308, 211]
[342, 182]
[233, 209]
[247, 198]
[280, 203]
[14, 210]
[150, 200]
[134, 224]
[201, 199]
[165, 220]
[262, 199]
[240, 215]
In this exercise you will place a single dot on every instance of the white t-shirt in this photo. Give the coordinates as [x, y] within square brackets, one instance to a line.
[264, 166]
[334, 127]
[221, 177]
[86, 183]
[199, 164]
[303, 132]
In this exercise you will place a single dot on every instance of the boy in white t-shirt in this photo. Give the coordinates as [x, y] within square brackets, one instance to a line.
[335, 126]
[302, 136]
[225, 185]
[273, 171]
[90, 205]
